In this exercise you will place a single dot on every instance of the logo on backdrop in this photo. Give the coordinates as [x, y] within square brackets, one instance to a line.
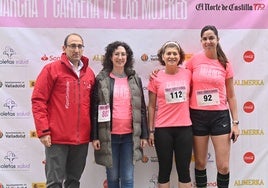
[153, 180]
[10, 104]
[15, 134]
[249, 157]
[209, 184]
[153, 159]
[249, 182]
[10, 57]
[210, 158]
[13, 162]
[145, 57]
[249, 82]
[10, 156]
[230, 7]
[31, 83]
[12, 84]
[9, 52]
[98, 58]
[145, 159]
[33, 134]
[38, 185]
[12, 110]
[14, 185]
[49, 58]
[248, 56]
[248, 107]
[1, 134]
[150, 58]
[252, 132]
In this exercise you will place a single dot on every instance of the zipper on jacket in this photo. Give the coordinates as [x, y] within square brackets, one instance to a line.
[79, 114]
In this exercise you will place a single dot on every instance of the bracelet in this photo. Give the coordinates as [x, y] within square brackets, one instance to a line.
[151, 131]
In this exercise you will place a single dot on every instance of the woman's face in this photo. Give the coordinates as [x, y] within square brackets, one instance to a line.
[171, 56]
[209, 40]
[119, 57]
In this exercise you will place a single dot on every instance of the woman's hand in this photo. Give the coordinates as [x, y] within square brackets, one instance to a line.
[234, 133]
[96, 144]
[154, 73]
[143, 143]
[151, 140]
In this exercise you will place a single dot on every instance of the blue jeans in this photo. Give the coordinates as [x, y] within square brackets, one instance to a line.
[121, 174]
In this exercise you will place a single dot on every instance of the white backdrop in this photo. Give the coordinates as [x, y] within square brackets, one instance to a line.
[28, 43]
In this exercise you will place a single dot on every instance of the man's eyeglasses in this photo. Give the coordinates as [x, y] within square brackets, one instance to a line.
[74, 46]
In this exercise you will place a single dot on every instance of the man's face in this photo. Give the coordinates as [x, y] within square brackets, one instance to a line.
[74, 49]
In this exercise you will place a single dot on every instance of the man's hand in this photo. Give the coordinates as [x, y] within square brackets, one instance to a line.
[46, 140]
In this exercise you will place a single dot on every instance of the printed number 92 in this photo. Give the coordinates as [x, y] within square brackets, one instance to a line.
[207, 97]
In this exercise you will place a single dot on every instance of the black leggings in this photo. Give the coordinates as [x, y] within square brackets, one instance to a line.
[178, 140]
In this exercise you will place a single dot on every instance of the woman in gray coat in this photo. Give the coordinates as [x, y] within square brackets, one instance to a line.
[118, 116]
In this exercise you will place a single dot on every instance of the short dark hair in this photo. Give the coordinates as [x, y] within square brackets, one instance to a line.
[170, 44]
[67, 37]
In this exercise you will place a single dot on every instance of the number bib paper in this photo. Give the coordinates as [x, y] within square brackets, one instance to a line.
[175, 95]
[104, 113]
[208, 97]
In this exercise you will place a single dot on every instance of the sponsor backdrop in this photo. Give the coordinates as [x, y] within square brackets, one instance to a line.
[32, 33]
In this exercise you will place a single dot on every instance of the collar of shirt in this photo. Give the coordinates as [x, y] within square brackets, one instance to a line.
[77, 70]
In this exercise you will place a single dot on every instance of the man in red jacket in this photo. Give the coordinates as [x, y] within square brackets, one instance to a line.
[61, 111]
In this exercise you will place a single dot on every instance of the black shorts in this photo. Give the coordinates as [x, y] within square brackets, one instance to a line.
[205, 122]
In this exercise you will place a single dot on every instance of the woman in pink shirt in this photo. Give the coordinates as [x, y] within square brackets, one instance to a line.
[211, 100]
[169, 116]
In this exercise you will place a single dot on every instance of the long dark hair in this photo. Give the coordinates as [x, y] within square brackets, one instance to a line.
[107, 62]
[220, 54]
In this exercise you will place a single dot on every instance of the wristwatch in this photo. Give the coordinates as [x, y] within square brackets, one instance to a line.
[235, 122]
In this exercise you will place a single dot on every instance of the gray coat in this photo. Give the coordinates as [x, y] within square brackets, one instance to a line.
[103, 94]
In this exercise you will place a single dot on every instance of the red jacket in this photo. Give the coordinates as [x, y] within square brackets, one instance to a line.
[61, 102]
